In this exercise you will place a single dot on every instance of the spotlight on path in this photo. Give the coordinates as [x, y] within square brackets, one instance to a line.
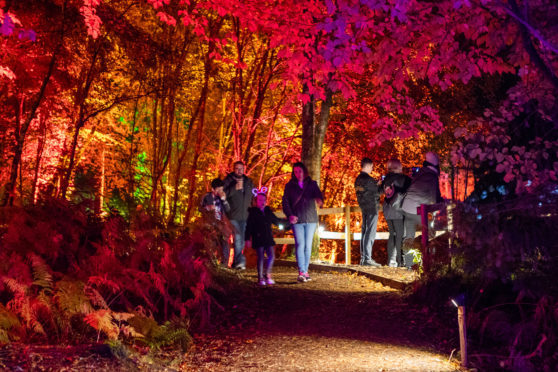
[459, 302]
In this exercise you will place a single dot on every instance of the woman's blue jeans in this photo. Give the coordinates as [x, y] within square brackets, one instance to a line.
[303, 234]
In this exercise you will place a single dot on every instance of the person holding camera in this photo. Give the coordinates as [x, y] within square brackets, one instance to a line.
[424, 189]
[394, 186]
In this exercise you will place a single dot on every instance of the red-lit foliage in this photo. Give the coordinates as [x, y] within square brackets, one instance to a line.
[67, 277]
[164, 95]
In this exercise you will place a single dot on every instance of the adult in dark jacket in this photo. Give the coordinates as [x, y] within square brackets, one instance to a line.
[238, 188]
[260, 236]
[300, 197]
[368, 199]
[424, 189]
[213, 206]
[394, 184]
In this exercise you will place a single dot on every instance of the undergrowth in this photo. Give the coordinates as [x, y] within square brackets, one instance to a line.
[503, 260]
[67, 277]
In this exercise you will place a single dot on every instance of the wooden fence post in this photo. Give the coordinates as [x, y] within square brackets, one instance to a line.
[462, 335]
[347, 235]
[423, 211]
[449, 209]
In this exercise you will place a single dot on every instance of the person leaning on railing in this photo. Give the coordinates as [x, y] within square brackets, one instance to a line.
[424, 189]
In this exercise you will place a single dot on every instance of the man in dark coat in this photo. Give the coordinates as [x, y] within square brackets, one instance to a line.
[368, 199]
[424, 189]
[238, 188]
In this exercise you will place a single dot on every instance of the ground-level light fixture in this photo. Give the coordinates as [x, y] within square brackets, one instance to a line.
[459, 302]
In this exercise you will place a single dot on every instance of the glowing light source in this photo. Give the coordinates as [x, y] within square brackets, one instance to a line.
[459, 302]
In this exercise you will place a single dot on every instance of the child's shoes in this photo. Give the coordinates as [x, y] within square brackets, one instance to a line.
[262, 282]
[269, 281]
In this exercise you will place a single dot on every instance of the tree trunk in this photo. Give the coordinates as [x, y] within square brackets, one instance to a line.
[21, 133]
[197, 151]
[38, 157]
[313, 134]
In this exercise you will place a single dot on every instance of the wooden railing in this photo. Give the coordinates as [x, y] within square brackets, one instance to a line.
[348, 236]
[347, 210]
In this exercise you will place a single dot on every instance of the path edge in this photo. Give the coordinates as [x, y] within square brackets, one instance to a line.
[402, 286]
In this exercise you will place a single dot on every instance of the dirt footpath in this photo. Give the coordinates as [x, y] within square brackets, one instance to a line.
[336, 322]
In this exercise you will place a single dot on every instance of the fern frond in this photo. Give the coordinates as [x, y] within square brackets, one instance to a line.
[130, 331]
[171, 334]
[95, 297]
[71, 297]
[4, 337]
[8, 319]
[103, 281]
[24, 306]
[102, 321]
[15, 286]
[41, 271]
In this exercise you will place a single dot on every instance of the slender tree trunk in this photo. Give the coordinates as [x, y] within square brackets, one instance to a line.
[38, 157]
[101, 192]
[197, 151]
[21, 133]
[313, 134]
[73, 147]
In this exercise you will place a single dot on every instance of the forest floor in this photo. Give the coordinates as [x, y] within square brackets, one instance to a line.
[339, 321]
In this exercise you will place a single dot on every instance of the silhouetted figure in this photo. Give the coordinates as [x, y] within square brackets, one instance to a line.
[424, 189]
[368, 198]
[394, 186]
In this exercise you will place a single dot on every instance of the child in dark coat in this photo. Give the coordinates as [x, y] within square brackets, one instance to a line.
[260, 237]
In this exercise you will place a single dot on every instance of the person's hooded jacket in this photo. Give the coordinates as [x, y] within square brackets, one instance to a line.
[424, 189]
[399, 183]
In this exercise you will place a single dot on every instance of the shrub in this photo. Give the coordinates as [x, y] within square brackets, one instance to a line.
[68, 277]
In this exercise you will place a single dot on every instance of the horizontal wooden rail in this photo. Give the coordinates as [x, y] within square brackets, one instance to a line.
[334, 235]
[328, 211]
[348, 235]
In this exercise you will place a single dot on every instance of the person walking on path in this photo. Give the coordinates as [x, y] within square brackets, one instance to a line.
[238, 188]
[214, 205]
[260, 236]
[394, 185]
[424, 189]
[300, 197]
[368, 199]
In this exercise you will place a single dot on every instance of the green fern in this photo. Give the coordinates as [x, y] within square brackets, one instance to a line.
[157, 336]
[8, 322]
[71, 297]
